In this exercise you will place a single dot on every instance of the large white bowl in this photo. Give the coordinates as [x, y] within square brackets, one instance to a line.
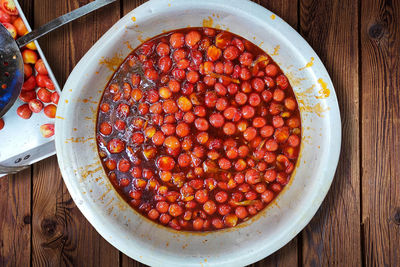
[146, 241]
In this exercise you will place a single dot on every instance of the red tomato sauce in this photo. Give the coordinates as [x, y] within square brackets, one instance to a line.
[198, 129]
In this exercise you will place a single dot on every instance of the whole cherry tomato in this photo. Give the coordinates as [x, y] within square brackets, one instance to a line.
[27, 96]
[11, 29]
[9, 7]
[4, 17]
[40, 67]
[24, 112]
[29, 84]
[20, 26]
[47, 130]
[55, 97]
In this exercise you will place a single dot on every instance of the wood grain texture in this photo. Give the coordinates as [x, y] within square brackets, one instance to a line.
[61, 235]
[333, 236]
[380, 51]
[15, 205]
[50, 239]
[286, 9]
[15, 220]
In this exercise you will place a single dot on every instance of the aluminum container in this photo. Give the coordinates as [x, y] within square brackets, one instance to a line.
[21, 142]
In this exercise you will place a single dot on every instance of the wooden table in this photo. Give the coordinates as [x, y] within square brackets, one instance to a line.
[359, 221]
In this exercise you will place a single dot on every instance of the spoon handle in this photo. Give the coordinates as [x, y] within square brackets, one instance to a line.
[60, 21]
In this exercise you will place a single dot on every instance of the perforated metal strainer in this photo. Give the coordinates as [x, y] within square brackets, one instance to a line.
[11, 70]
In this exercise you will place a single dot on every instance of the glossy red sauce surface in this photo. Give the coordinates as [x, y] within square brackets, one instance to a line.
[198, 129]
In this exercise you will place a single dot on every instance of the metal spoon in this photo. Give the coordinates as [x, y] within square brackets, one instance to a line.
[11, 63]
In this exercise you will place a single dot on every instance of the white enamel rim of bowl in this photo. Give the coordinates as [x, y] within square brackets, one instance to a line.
[263, 234]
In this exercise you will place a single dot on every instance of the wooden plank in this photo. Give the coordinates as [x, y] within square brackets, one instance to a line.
[333, 236]
[288, 255]
[129, 5]
[380, 50]
[15, 206]
[61, 235]
[65, 46]
[49, 233]
[15, 221]
[286, 9]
